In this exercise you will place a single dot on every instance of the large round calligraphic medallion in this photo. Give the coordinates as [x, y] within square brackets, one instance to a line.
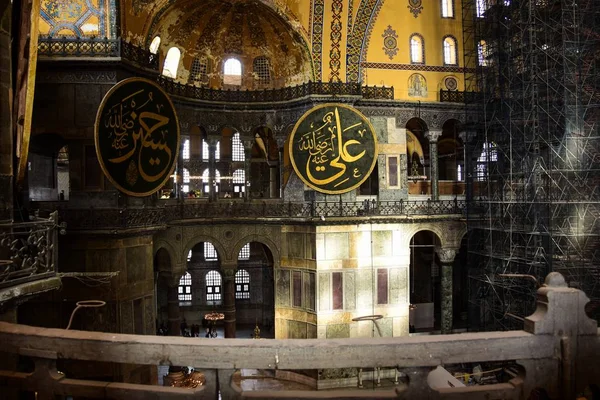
[333, 148]
[137, 136]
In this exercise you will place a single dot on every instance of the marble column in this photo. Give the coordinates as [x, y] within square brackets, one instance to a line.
[173, 310]
[447, 259]
[228, 273]
[248, 142]
[470, 157]
[212, 141]
[281, 147]
[433, 137]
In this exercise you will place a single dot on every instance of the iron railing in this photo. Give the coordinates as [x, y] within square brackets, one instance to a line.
[274, 95]
[97, 47]
[28, 251]
[455, 96]
[127, 218]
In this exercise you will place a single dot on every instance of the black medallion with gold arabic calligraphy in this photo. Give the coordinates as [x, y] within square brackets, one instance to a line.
[137, 136]
[333, 148]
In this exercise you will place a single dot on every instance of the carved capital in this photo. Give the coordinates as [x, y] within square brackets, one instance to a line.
[446, 255]
[433, 136]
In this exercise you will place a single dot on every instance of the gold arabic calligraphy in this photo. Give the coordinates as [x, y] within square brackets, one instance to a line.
[137, 127]
[329, 153]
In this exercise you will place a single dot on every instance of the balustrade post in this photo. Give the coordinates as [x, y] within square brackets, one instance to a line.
[433, 137]
[229, 271]
[468, 139]
[248, 142]
[447, 259]
[212, 140]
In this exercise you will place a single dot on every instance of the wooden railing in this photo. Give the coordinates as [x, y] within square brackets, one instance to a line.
[557, 351]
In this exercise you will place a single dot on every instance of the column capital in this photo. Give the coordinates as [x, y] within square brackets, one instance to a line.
[433, 136]
[280, 141]
[446, 255]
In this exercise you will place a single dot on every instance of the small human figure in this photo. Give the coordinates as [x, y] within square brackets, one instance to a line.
[183, 327]
[207, 333]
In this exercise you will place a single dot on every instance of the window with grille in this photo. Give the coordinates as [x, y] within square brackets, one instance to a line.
[244, 252]
[242, 284]
[205, 153]
[213, 286]
[232, 72]
[239, 181]
[450, 49]
[154, 45]
[206, 181]
[184, 291]
[185, 152]
[210, 253]
[189, 256]
[237, 148]
[171, 63]
[447, 8]
[416, 49]
[262, 70]
[482, 53]
[481, 7]
[489, 153]
[186, 181]
[199, 70]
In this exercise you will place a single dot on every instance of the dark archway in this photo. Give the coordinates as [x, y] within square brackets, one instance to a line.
[425, 300]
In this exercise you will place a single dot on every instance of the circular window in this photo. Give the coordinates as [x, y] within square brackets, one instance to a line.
[451, 83]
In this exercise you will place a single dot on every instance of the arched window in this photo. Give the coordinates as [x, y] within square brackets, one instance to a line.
[205, 151]
[262, 70]
[206, 181]
[232, 72]
[417, 49]
[448, 8]
[242, 284]
[154, 45]
[244, 252]
[213, 286]
[186, 181]
[210, 253]
[171, 63]
[450, 56]
[237, 148]
[184, 291]
[189, 256]
[201, 67]
[482, 53]
[185, 152]
[481, 7]
[239, 181]
[489, 153]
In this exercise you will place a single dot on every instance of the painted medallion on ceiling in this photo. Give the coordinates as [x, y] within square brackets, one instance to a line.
[77, 18]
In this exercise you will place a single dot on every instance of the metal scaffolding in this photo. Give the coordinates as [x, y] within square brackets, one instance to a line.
[534, 186]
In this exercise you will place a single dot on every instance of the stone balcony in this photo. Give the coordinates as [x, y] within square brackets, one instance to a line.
[28, 254]
[556, 351]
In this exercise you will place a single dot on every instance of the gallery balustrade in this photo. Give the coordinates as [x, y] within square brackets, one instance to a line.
[556, 351]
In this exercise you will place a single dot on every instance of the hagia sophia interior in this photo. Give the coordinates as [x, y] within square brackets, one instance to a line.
[470, 197]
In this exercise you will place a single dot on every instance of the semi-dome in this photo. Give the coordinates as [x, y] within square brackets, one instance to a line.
[271, 53]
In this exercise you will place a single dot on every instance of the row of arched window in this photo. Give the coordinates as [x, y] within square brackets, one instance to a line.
[202, 66]
[417, 49]
[213, 284]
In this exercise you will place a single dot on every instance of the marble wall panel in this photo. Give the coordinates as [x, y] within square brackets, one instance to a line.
[295, 245]
[336, 246]
[396, 296]
[322, 332]
[364, 289]
[320, 246]
[296, 330]
[311, 331]
[349, 291]
[324, 291]
[386, 327]
[149, 316]
[126, 317]
[400, 326]
[403, 285]
[136, 264]
[338, 331]
[360, 244]
[382, 243]
[283, 288]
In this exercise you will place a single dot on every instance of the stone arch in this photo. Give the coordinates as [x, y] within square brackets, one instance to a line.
[168, 247]
[437, 229]
[194, 240]
[237, 246]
